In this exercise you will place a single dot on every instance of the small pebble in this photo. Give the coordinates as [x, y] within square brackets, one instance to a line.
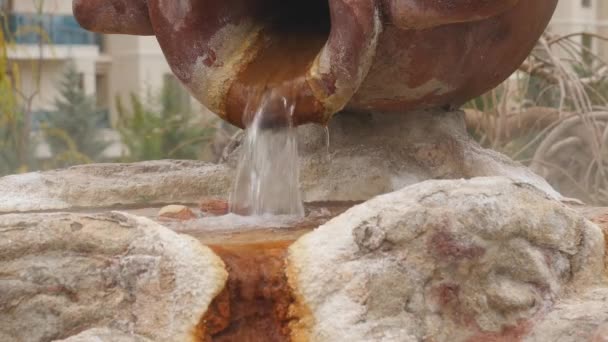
[177, 212]
[214, 206]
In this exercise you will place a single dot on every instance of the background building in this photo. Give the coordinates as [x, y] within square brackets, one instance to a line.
[47, 37]
[110, 65]
[589, 16]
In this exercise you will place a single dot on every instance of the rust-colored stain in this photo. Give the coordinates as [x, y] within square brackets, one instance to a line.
[381, 55]
[281, 64]
[214, 206]
[448, 248]
[255, 303]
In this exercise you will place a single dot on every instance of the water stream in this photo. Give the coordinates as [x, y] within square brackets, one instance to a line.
[267, 180]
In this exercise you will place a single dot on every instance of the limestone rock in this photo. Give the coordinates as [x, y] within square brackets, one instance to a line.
[360, 156]
[109, 185]
[61, 274]
[452, 260]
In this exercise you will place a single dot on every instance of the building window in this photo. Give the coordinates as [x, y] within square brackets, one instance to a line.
[101, 91]
[57, 29]
[586, 3]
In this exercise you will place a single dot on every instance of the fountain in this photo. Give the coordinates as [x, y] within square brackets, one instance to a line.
[409, 231]
[324, 57]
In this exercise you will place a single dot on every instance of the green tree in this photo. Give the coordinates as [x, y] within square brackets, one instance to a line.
[140, 130]
[72, 129]
[174, 131]
[16, 102]
[16, 105]
[11, 118]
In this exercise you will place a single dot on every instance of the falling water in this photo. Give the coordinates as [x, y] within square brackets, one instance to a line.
[267, 180]
[327, 147]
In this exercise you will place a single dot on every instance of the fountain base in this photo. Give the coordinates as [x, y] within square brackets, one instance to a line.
[362, 155]
[267, 288]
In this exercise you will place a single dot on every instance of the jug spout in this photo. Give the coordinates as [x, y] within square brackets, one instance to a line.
[319, 51]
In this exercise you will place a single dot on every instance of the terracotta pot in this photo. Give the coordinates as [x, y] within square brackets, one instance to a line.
[364, 55]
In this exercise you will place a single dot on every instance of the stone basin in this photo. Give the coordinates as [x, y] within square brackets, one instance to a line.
[262, 299]
[255, 300]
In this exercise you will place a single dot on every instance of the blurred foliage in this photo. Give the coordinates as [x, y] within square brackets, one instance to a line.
[163, 128]
[13, 142]
[553, 115]
[16, 106]
[498, 109]
[173, 131]
[72, 129]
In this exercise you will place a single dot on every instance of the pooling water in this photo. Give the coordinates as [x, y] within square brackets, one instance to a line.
[267, 179]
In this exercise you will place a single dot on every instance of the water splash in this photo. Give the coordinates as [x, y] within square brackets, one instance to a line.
[327, 141]
[267, 180]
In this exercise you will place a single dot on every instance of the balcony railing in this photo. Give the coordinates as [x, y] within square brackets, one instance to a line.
[49, 29]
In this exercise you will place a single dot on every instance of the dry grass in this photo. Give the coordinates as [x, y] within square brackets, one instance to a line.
[553, 116]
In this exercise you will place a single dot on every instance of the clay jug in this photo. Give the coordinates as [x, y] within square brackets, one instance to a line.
[327, 55]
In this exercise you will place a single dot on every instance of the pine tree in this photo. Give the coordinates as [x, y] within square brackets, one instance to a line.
[169, 130]
[183, 137]
[72, 129]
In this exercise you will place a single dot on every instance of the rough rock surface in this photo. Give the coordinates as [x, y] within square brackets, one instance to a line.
[364, 155]
[575, 319]
[109, 185]
[477, 260]
[62, 274]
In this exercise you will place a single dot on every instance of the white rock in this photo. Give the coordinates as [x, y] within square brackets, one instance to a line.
[442, 261]
[109, 185]
[61, 274]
